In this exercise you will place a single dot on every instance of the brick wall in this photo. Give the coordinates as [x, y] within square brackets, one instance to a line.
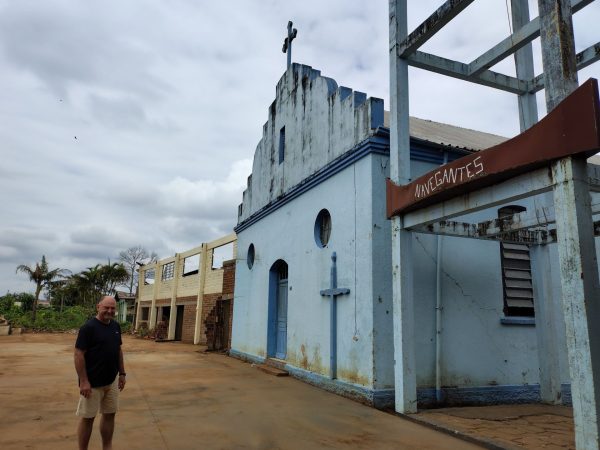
[189, 320]
[228, 277]
[188, 285]
[163, 302]
[214, 281]
[165, 287]
[228, 289]
[145, 291]
[189, 317]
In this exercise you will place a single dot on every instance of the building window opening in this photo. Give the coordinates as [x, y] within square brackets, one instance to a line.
[149, 276]
[191, 265]
[250, 256]
[323, 228]
[516, 272]
[222, 254]
[168, 271]
[282, 272]
[281, 145]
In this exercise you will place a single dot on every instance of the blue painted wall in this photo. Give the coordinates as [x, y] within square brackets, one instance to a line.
[481, 357]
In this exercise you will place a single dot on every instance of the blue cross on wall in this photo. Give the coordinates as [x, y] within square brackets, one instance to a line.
[333, 292]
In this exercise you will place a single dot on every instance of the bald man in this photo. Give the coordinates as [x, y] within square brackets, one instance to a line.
[101, 372]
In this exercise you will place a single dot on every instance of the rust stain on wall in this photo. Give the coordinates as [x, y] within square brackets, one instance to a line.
[307, 360]
[351, 373]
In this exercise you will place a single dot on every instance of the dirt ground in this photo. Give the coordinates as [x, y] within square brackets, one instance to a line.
[178, 397]
[548, 427]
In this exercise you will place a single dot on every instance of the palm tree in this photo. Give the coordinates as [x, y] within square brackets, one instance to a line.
[41, 275]
[112, 275]
[99, 280]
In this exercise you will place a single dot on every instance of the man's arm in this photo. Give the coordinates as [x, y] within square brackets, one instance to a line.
[85, 388]
[122, 379]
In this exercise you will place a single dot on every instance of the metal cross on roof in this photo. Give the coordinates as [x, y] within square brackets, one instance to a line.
[287, 43]
[333, 292]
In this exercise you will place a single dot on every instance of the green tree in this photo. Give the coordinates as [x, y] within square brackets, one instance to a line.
[112, 275]
[86, 287]
[25, 299]
[41, 275]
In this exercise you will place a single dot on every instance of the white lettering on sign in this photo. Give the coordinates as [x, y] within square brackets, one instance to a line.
[450, 175]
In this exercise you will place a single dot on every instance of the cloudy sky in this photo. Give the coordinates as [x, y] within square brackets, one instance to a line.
[126, 123]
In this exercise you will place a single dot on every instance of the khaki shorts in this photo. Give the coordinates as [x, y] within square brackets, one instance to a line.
[105, 399]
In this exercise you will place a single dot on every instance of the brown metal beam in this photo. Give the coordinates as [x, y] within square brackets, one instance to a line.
[572, 128]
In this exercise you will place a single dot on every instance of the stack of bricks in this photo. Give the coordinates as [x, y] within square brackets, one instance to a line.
[209, 306]
[162, 330]
[228, 289]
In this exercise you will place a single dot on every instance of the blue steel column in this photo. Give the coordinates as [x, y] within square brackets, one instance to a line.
[403, 312]
[576, 246]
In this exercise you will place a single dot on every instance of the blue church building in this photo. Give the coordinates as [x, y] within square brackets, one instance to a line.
[318, 187]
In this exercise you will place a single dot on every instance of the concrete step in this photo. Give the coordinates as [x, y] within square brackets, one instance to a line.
[277, 363]
[272, 370]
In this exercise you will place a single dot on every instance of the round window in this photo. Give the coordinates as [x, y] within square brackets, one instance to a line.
[322, 228]
[250, 256]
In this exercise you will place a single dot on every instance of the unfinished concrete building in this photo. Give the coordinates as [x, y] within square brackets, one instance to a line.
[189, 297]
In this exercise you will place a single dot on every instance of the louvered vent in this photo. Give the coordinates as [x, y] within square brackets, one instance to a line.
[516, 273]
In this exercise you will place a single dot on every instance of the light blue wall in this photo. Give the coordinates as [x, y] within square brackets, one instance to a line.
[288, 234]
[477, 349]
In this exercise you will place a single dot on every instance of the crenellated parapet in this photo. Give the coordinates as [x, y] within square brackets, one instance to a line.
[310, 123]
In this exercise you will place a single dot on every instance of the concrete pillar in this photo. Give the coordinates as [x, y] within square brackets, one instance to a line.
[173, 315]
[580, 294]
[157, 280]
[200, 299]
[576, 248]
[546, 325]
[403, 310]
[558, 50]
[138, 311]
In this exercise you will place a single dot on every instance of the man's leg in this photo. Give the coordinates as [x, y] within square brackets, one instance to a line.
[107, 427]
[84, 431]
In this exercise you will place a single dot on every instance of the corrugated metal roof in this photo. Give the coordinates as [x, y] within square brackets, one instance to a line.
[449, 135]
[594, 159]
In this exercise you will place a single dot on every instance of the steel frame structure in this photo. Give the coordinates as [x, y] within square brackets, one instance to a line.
[566, 220]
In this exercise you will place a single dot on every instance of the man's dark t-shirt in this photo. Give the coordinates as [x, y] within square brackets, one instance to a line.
[101, 343]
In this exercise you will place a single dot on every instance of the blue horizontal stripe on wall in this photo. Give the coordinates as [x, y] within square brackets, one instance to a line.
[426, 398]
[378, 398]
[378, 144]
[487, 395]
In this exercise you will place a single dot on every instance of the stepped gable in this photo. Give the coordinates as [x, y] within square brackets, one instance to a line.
[310, 123]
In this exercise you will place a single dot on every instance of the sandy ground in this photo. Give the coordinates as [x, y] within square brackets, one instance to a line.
[548, 427]
[178, 397]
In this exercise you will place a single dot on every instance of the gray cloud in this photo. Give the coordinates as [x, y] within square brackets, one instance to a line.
[126, 125]
[117, 113]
